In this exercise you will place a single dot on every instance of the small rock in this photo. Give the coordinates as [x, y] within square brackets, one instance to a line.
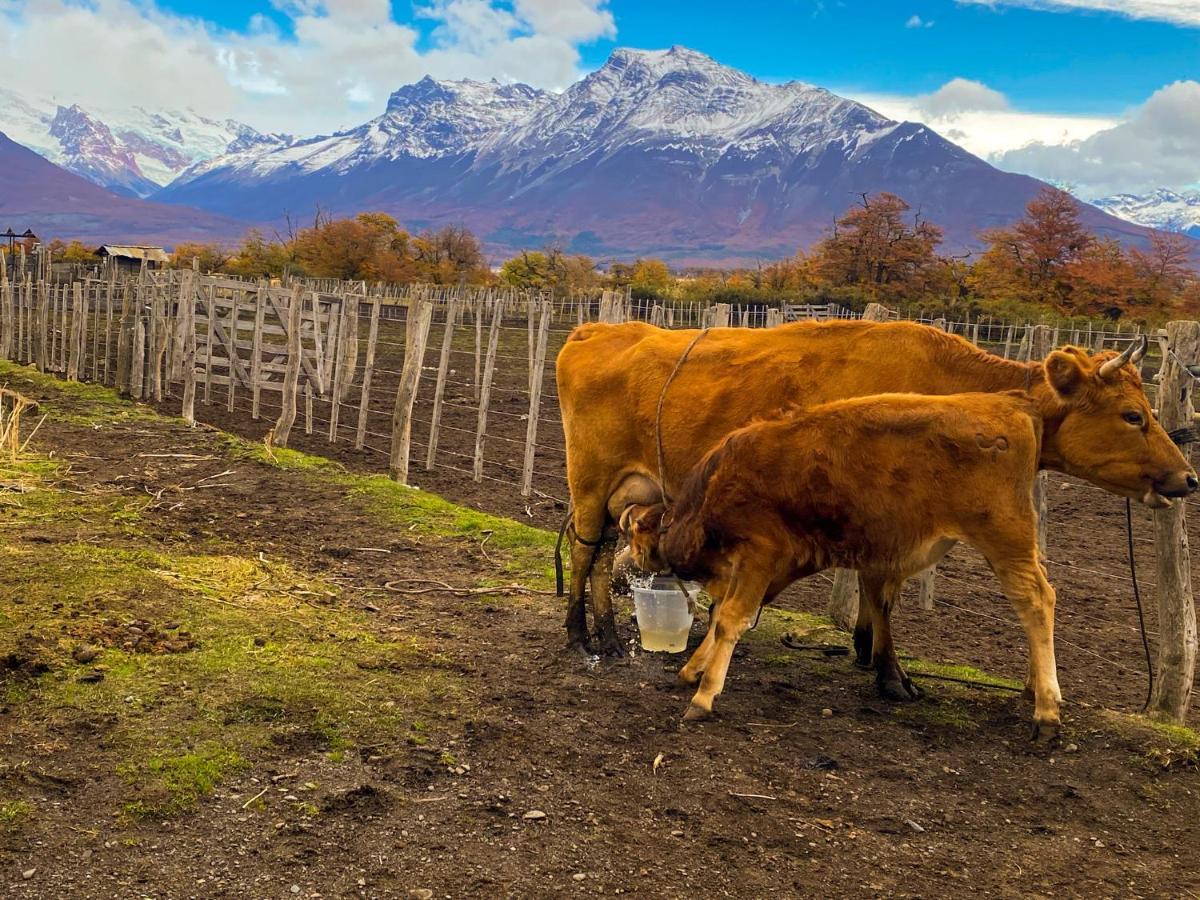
[827, 712]
[91, 677]
[579, 876]
[677, 833]
[85, 653]
[295, 889]
[260, 642]
[28, 873]
[534, 814]
[291, 797]
[913, 825]
[1071, 748]
[421, 894]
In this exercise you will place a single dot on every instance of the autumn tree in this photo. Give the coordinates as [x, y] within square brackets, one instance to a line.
[1033, 259]
[877, 246]
[650, 278]
[1163, 271]
[551, 270]
[212, 257]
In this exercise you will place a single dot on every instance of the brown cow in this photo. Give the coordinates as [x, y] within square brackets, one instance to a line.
[610, 378]
[887, 485]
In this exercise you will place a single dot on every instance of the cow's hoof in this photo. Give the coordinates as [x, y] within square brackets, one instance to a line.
[609, 646]
[577, 647]
[899, 690]
[1045, 732]
[696, 713]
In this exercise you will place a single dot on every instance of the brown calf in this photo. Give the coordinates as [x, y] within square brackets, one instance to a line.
[887, 485]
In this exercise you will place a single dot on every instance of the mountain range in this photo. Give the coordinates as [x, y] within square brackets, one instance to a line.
[666, 152]
[1165, 209]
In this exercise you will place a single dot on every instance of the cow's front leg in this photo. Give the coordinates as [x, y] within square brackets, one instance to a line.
[695, 666]
[605, 638]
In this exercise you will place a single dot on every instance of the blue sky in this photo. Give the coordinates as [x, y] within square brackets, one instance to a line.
[1103, 94]
[1080, 61]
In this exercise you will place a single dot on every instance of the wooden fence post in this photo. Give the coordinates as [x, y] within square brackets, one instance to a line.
[535, 400]
[210, 341]
[78, 333]
[187, 312]
[485, 394]
[435, 422]
[130, 297]
[364, 403]
[1038, 347]
[291, 377]
[406, 393]
[1176, 609]
[235, 313]
[260, 313]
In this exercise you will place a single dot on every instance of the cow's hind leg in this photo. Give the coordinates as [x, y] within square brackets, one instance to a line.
[605, 637]
[735, 613]
[586, 530]
[879, 593]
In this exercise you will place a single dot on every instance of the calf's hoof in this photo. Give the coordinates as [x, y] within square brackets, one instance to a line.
[899, 690]
[691, 679]
[1045, 732]
[696, 713]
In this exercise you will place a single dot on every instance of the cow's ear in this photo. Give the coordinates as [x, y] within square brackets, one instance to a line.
[1065, 373]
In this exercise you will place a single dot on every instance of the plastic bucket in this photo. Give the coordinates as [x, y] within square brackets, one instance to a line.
[663, 617]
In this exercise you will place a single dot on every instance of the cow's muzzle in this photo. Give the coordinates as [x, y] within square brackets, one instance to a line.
[1176, 484]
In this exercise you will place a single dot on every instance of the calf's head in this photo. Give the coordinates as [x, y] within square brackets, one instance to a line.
[1105, 430]
[641, 526]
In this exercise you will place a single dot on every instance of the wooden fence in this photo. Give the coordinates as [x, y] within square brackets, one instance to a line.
[461, 381]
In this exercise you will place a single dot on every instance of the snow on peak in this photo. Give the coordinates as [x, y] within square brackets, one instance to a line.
[1161, 208]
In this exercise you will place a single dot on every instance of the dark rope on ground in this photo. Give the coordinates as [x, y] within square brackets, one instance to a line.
[1137, 596]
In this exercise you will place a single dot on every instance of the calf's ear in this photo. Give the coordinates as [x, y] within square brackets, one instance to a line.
[1065, 373]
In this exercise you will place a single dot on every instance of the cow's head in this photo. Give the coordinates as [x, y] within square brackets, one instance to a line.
[1106, 432]
[641, 526]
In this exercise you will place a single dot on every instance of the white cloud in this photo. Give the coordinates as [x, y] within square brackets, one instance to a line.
[915, 21]
[1179, 12]
[961, 95]
[336, 67]
[981, 119]
[1157, 145]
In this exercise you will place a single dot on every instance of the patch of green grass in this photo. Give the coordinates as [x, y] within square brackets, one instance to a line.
[279, 457]
[964, 673]
[276, 657]
[947, 712]
[775, 623]
[527, 552]
[76, 402]
[13, 813]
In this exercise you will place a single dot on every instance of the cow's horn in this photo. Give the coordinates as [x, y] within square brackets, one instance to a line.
[623, 524]
[1140, 351]
[1110, 368]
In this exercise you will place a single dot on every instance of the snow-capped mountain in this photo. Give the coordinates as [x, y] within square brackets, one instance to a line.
[666, 152]
[1163, 208]
[427, 120]
[37, 194]
[132, 151]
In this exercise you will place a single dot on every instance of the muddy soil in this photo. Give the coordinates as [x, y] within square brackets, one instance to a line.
[570, 776]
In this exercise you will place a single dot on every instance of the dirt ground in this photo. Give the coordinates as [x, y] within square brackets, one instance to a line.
[297, 729]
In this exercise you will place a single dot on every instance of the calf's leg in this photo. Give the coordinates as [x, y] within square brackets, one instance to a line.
[879, 594]
[695, 666]
[1026, 586]
[735, 613]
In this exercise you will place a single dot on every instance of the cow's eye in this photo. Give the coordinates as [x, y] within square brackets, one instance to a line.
[1133, 418]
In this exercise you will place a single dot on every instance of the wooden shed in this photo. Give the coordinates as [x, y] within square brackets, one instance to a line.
[130, 256]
